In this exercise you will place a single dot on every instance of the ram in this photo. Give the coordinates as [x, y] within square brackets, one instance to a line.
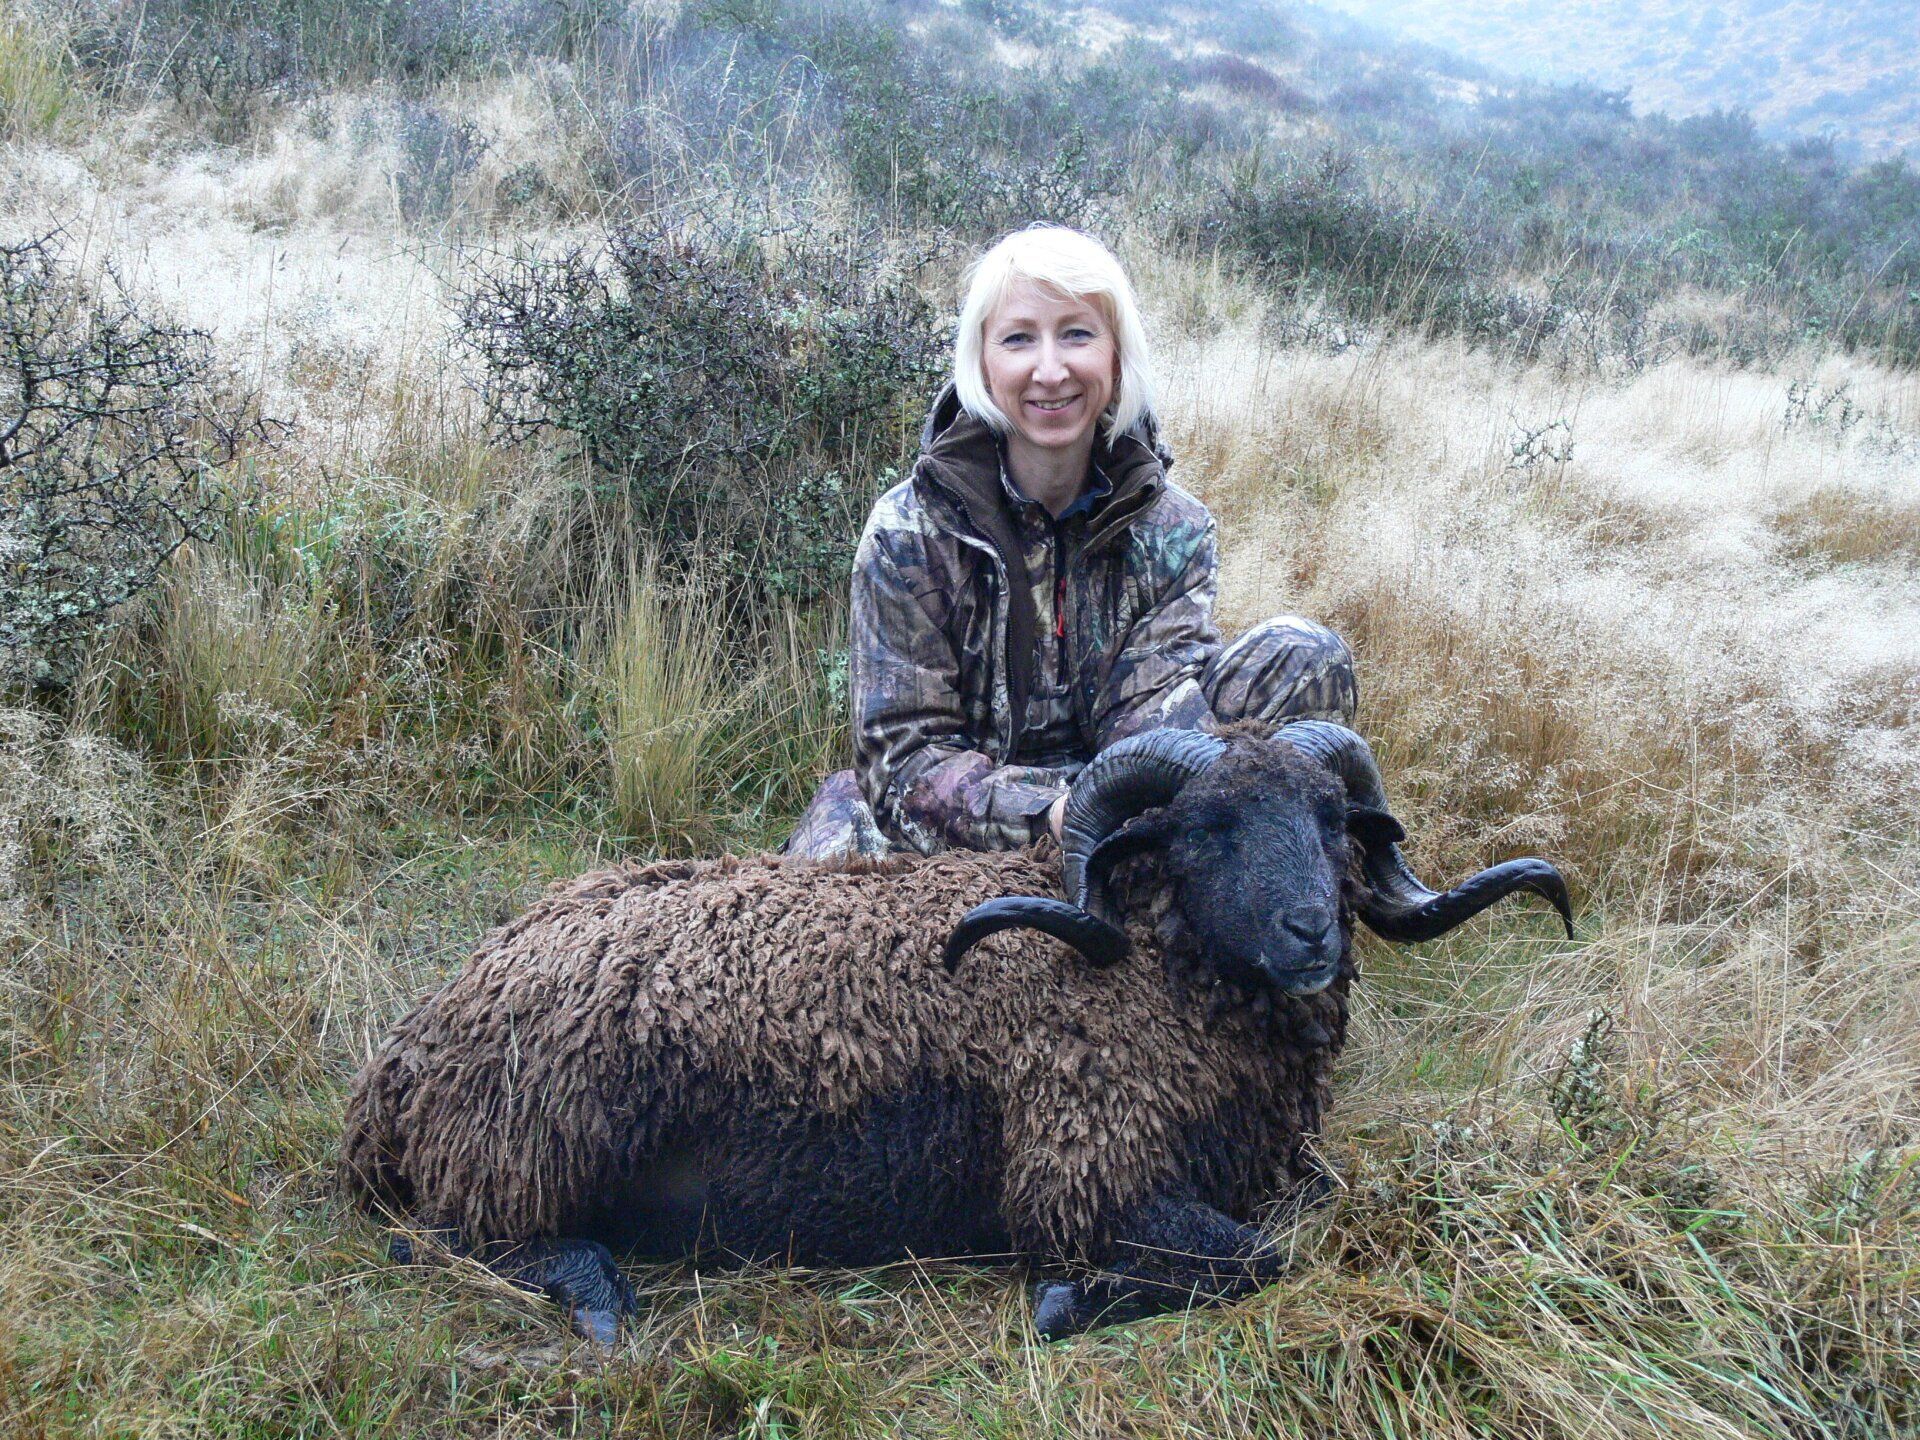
[751, 1058]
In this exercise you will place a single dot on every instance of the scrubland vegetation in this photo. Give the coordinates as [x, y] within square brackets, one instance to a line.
[519, 375]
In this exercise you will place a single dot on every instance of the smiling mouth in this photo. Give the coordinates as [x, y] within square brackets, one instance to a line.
[1052, 407]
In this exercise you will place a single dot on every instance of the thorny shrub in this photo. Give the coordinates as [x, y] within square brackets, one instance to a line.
[223, 65]
[736, 390]
[437, 155]
[109, 421]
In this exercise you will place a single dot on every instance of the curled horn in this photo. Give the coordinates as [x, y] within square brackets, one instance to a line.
[1119, 783]
[1396, 905]
[1122, 781]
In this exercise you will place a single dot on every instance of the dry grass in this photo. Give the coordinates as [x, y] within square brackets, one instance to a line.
[1835, 526]
[1732, 795]
[718, 723]
[671, 698]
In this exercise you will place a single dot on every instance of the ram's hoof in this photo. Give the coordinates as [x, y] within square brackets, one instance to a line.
[1059, 1310]
[597, 1327]
[581, 1278]
[577, 1275]
[419, 1247]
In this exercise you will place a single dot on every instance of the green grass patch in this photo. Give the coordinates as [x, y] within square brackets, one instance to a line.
[39, 93]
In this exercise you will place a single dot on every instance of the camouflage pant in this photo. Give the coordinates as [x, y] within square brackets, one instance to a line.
[1284, 669]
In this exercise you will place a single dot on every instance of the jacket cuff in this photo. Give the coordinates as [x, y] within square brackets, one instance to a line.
[967, 802]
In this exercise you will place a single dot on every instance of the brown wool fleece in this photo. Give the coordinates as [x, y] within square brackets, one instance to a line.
[631, 1004]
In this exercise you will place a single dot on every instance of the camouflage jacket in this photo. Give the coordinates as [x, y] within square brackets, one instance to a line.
[996, 649]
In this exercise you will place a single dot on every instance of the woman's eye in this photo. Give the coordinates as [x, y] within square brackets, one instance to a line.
[1018, 337]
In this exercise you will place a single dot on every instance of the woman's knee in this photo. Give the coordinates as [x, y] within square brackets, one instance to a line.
[1286, 668]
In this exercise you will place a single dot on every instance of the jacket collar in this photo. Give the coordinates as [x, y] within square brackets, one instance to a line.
[960, 456]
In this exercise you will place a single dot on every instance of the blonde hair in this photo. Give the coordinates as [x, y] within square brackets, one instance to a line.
[1076, 265]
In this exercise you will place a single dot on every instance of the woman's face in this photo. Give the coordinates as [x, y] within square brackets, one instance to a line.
[1051, 365]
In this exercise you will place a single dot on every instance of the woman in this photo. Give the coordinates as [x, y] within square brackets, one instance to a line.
[1038, 588]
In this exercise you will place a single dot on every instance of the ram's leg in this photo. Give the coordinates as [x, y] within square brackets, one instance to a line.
[1169, 1254]
[577, 1275]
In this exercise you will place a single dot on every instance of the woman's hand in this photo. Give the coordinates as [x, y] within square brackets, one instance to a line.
[1056, 817]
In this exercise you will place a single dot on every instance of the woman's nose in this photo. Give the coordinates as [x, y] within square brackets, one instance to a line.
[1051, 366]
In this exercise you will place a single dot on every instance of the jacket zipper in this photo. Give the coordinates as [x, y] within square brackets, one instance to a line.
[1060, 595]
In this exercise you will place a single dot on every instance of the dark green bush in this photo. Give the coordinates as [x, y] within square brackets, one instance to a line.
[929, 134]
[1885, 198]
[1317, 227]
[437, 154]
[707, 106]
[1244, 77]
[1017, 19]
[737, 392]
[916, 152]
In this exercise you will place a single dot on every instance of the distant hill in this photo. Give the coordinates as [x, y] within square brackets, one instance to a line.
[1799, 66]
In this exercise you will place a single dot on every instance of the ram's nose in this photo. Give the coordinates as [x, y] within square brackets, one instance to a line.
[1303, 951]
[1309, 924]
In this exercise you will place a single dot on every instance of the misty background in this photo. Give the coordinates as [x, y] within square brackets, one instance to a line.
[1801, 68]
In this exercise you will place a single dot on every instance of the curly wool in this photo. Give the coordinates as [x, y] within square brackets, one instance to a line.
[638, 1006]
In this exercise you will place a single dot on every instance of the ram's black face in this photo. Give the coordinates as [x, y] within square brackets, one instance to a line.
[1259, 860]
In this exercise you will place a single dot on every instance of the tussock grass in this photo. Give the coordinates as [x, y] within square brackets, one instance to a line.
[239, 654]
[38, 91]
[1735, 808]
[669, 699]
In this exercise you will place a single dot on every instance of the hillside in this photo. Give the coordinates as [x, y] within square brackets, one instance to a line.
[503, 385]
[1799, 67]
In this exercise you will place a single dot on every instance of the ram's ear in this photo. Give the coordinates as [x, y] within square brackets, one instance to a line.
[1136, 837]
[1374, 828]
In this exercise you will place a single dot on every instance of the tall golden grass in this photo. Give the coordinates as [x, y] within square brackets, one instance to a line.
[1836, 526]
[1709, 736]
[670, 702]
[712, 713]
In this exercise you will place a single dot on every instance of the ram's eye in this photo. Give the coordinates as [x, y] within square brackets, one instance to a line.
[1207, 840]
[1213, 841]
